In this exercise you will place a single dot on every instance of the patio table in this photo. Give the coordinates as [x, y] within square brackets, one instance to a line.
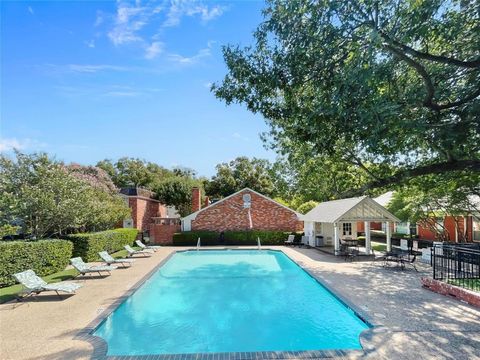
[398, 257]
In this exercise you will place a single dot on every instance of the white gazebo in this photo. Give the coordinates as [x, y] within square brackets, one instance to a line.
[338, 219]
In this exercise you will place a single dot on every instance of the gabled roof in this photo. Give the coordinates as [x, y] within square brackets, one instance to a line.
[385, 198]
[351, 209]
[192, 216]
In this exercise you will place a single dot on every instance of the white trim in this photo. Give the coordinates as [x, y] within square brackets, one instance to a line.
[373, 206]
[193, 215]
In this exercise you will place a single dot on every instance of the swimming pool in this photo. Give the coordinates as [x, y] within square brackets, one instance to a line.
[216, 301]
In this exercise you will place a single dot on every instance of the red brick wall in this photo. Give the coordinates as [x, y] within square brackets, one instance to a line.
[373, 226]
[425, 233]
[163, 234]
[231, 215]
[143, 209]
[449, 222]
[440, 287]
[470, 228]
[196, 199]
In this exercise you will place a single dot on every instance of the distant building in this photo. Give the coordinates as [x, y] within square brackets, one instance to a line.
[244, 210]
[465, 227]
[153, 219]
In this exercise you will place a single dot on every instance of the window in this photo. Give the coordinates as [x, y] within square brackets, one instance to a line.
[347, 229]
[439, 225]
[476, 228]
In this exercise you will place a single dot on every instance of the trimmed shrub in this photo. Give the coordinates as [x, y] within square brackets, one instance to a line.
[45, 257]
[210, 238]
[88, 245]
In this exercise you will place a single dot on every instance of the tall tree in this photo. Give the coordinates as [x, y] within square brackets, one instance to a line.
[389, 87]
[432, 197]
[177, 191]
[240, 173]
[47, 198]
[134, 172]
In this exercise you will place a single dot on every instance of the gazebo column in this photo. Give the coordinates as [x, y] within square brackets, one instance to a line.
[388, 235]
[368, 240]
[336, 238]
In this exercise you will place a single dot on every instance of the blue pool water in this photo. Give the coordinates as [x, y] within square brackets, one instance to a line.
[230, 301]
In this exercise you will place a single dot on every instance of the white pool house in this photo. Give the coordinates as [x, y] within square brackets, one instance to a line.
[330, 222]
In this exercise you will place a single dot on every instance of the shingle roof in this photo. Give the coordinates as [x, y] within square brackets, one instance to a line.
[330, 211]
[385, 198]
[336, 210]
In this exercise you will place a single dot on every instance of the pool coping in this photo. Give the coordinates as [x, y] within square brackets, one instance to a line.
[100, 346]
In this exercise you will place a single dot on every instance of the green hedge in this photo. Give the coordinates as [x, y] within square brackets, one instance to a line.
[209, 238]
[43, 256]
[88, 245]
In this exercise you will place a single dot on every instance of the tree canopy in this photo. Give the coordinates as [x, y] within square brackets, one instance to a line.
[240, 173]
[391, 87]
[177, 191]
[134, 172]
[46, 198]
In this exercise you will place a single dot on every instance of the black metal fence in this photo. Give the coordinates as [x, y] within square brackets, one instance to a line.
[457, 265]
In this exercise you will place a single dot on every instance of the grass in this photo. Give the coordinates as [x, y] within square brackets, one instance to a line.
[379, 246]
[471, 284]
[8, 293]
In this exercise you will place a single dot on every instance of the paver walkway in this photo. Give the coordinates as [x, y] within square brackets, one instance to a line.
[411, 322]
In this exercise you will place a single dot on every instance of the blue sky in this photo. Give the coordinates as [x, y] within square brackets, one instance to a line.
[91, 80]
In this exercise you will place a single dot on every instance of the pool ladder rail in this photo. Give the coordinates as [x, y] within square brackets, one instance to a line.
[259, 244]
[198, 244]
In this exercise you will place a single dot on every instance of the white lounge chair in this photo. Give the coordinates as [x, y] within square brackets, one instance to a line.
[34, 285]
[84, 268]
[109, 260]
[132, 252]
[145, 247]
[289, 240]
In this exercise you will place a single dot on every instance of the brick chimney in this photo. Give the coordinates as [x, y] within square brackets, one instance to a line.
[196, 199]
[206, 202]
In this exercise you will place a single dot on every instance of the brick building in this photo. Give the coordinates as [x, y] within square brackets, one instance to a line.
[443, 227]
[144, 207]
[243, 210]
[150, 216]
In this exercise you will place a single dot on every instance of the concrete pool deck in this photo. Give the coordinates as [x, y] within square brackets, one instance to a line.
[410, 322]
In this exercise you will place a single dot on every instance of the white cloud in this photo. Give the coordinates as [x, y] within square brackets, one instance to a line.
[153, 50]
[99, 18]
[90, 43]
[86, 68]
[106, 91]
[184, 60]
[238, 136]
[129, 20]
[122, 93]
[8, 144]
[30, 10]
[181, 8]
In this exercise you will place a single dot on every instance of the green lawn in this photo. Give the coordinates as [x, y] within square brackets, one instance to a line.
[471, 284]
[379, 246]
[8, 293]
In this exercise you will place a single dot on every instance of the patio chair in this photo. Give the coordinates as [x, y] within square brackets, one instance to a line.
[410, 262]
[289, 240]
[132, 252]
[109, 260]
[145, 247]
[34, 285]
[348, 253]
[379, 257]
[84, 268]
